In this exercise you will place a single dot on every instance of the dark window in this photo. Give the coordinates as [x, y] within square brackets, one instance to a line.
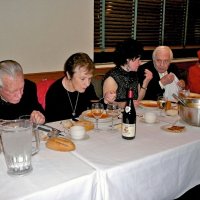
[175, 23]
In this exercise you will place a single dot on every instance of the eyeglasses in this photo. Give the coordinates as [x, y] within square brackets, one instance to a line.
[164, 62]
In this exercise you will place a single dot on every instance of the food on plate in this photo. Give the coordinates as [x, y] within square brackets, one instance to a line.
[149, 104]
[60, 144]
[176, 129]
[103, 116]
[67, 124]
[85, 123]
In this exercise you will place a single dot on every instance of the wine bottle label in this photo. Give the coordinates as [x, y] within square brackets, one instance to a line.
[128, 130]
[127, 109]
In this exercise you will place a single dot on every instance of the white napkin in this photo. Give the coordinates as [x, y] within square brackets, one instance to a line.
[172, 88]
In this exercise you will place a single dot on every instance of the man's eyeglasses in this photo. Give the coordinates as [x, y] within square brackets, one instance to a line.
[164, 62]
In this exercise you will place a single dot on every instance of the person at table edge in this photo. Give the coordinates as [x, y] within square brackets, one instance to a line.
[18, 96]
[163, 70]
[72, 94]
[194, 76]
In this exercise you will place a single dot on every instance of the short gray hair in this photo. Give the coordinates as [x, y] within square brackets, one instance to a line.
[10, 68]
[162, 48]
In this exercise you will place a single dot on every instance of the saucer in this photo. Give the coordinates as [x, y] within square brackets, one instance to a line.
[143, 121]
[86, 137]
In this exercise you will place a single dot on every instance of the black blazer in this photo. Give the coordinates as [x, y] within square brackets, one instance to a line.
[154, 90]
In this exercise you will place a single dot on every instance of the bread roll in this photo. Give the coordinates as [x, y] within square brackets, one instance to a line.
[87, 124]
[60, 144]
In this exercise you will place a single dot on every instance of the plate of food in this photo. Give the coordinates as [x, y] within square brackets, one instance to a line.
[87, 115]
[173, 128]
[148, 104]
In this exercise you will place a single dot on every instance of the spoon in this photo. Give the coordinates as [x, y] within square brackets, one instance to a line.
[96, 100]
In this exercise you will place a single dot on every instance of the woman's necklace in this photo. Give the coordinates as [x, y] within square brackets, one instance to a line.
[73, 108]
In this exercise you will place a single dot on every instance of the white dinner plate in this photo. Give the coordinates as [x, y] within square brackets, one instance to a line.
[150, 104]
[87, 115]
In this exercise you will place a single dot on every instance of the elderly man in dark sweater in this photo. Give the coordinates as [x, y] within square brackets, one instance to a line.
[18, 96]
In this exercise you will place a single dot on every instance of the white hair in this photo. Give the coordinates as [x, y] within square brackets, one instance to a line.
[162, 48]
[10, 68]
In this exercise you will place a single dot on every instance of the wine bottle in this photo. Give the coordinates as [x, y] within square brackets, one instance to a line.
[129, 118]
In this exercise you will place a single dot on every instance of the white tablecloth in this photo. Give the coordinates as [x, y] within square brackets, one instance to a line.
[55, 175]
[155, 165]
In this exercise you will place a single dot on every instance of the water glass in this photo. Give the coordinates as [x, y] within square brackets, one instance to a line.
[113, 110]
[161, 101]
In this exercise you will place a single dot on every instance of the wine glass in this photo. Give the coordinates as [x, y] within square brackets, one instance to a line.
[97, 110]
[184, 93]
[161, 103]
[113, 110]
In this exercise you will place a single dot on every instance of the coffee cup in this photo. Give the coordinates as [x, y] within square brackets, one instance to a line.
[77, 132]
[150, 117]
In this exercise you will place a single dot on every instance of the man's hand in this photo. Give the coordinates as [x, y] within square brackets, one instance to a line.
[37, 117]
[167, 79]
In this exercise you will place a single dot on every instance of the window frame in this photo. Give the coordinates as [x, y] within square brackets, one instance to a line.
[103, 52]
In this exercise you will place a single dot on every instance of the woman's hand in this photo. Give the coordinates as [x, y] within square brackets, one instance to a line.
[136, 103]
[109, 97]
[37, 117]
[148, 74]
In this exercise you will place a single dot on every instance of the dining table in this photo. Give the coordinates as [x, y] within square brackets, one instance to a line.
[55, 176]
[157, 164]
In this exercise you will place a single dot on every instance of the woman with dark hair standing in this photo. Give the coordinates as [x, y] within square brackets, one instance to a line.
[69, 96]
[124, 74]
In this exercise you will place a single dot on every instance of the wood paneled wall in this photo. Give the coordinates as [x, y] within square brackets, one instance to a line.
[36, 77]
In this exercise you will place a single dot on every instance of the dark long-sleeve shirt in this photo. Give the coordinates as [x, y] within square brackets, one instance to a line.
[27, 104]
[58, 106]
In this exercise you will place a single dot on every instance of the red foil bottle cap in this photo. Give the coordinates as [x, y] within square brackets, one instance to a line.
[130, 93]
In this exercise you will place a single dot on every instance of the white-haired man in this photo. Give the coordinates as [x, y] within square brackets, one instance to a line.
[166, 78]
[18, 96]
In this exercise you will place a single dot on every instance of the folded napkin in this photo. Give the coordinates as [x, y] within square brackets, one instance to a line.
[172, 88]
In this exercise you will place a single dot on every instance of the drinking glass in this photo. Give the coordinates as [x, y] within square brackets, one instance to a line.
[161, 103]
[113, 111]
[184, 93]
[97, 110]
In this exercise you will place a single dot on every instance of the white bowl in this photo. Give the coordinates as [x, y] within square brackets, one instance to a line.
[77, 132]
[150, 117]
